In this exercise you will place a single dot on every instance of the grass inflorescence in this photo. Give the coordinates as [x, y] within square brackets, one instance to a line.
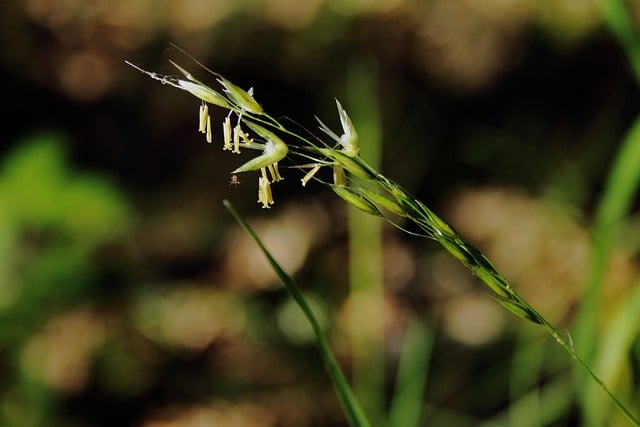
[248, 126]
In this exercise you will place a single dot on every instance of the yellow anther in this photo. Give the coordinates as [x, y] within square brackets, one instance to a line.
[208, 127]
[245, 138]
[236, 139]
[204, 113]
[275, 173]
[310, 174]
[264, 190]
[226, 130]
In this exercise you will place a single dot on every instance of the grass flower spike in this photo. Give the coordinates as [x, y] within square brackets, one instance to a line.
[354, 181]
[243, 99]
[349, 139]
[241, 103]
[190, 85]
[274, 150]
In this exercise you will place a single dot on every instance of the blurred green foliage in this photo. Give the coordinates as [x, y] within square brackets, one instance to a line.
[52, 221]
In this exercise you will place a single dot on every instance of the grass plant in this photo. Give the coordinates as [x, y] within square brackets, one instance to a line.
[607, 352]
[248, 126]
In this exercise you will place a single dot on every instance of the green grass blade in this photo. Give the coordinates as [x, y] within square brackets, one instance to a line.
[630, 417]
[614, 206]
[618, 17]
[552, 399]
[406, 406]
[613, 364]
[527, 366]
[354, 413]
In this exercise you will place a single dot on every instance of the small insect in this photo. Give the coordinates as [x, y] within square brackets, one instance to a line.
[234, 182]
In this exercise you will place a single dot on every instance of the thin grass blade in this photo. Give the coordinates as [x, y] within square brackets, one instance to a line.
[406, 406]
[355, 414]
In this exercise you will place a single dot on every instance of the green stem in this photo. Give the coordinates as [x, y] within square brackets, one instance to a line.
[406, 407]
[482, 268]
[619, 19]
[355, 414]
[569, 349]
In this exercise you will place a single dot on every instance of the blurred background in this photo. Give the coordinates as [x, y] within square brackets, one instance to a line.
[129, 296]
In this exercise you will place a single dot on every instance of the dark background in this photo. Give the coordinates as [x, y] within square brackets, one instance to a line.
[128, 295]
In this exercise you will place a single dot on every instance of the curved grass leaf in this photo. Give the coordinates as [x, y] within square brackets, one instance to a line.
[355, 414]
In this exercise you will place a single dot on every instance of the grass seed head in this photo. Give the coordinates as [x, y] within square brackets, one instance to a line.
[274, 150]
[385, 202]
[356, 200]
[349, 139]
[351, 164]
[191, 85]
[339, 177]
[244, 99]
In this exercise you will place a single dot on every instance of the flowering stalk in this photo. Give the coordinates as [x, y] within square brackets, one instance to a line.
[353, 180]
